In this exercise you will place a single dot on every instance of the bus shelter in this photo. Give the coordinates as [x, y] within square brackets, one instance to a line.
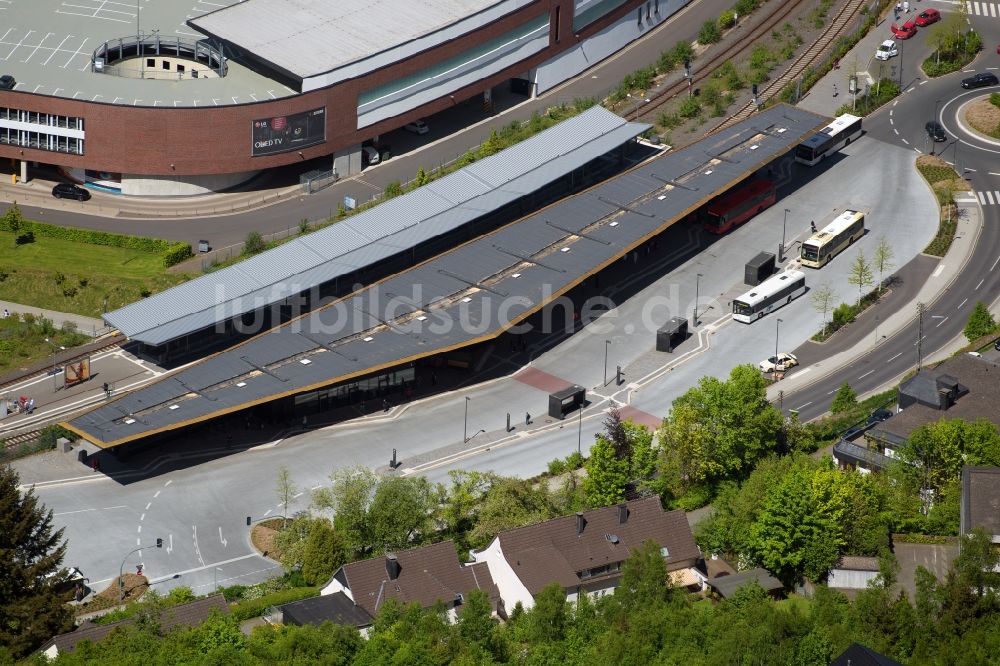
[564, 401]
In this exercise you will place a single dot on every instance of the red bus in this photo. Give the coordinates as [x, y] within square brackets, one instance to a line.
[738, 206]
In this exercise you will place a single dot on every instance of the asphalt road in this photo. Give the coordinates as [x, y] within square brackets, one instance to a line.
[450, 136]
[902, 124]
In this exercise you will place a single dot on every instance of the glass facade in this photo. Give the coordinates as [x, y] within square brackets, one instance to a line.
[352, 392]
[42, 131]
[595, 11]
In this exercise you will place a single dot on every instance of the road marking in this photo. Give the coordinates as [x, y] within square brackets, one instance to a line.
[802, 372]
[896, 131]
[139, 530]
[979, 285]
[315, 487]
[833, 391]
[920, 340]
[66, 513]
[120, 506]
[142, 517]
[297, 496]
[197, 550]
[961, 304]
[224, 542]
[894, 357]
[866, 374]
[168, 483]
[801, 407]
[941, 322]
[148, 504]
[994, 264]
[982, 198]
[989, 197]
[170, 543]
[937, 271]
[268, 513]
[905, 141]
[156, 494]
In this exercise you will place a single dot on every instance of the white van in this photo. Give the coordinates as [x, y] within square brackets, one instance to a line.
[370, 153]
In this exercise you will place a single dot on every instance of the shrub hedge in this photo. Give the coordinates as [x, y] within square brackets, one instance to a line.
[256, 607]
[172, 252]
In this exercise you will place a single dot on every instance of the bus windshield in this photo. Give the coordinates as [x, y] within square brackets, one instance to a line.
[810, 252]
[741, 308]
[713, 220]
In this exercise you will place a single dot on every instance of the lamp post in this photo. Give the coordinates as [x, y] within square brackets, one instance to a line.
[579, 432]
[465, 427]
[607, 344]
[777, 327]
[121, 569]
[784, 222]
[639, 102]
[55, 370]
[697, 285]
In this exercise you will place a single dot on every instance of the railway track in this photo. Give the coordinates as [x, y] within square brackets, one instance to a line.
[110, 343]
[745, 42]
[20, 438]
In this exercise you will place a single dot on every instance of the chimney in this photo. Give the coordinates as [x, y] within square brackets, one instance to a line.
[622, 514]
[392, 566]
[581, 522]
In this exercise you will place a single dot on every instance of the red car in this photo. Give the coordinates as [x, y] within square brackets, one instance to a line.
[927, 17]
[906, 31]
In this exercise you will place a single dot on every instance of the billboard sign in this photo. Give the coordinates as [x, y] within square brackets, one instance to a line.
[283, 133]
[76, 372]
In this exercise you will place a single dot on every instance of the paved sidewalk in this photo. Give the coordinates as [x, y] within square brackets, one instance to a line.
[966, 234]
[86, 325]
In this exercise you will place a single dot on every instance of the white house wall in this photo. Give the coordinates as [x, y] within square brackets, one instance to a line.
[512, 590]
[333, 587]
[849, 579]
[598, 47]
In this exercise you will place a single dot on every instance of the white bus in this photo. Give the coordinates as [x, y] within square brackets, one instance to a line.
[830, 139]
[832, 239]
[769, 295]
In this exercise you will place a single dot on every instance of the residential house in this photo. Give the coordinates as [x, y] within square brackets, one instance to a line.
[585, 552]
[980, 501]
[337, 608]
[425, 575]
[857, 654]
[726, 586]
[190, 614]
[963, 387]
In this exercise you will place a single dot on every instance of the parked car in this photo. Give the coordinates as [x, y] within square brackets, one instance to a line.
[852, 433]
[7, 82]
[935, 131]
[779, 363]
[70, 191]
[418, 126]
[879, 415]
[905, 31]
[886, 50]
[996, 344]
[370, 154]
[927, 17]
[979, 80]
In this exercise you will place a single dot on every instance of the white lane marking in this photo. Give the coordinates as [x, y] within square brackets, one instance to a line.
[994, 264]
[896, 131]
[197, 550]
[982, 198]
[170, 543]
[989, 197]
[142, 517]
[979, 285]
[140, 529]
[905, 141]
[941, 322]
[922, 337]
[156, 494]
[297, 496]
[148, 504]
[937, 271]
[119, 506]
[961, 304]
[315, 487]
[833, 391]
[268, 513]
[168, 483]
[894, 357]
[866, 374]
[222, 539]
[801, 407]
[66, 513]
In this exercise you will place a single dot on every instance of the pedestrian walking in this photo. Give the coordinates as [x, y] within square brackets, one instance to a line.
[899, 8]
[906, 6]
[834, 89]
[6, 313]
[812, 225]
[527, 418]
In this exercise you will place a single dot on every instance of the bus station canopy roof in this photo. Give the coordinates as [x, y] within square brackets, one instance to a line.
[467, 295]
[375, 234]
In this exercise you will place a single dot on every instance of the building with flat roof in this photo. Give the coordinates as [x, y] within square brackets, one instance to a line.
[153, 101]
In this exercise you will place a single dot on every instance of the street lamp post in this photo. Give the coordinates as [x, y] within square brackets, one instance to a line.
[697, 285]
[465, 427]
[579, 432]
[121, 569]
[784, 222]
[777, 325]
[607, 344]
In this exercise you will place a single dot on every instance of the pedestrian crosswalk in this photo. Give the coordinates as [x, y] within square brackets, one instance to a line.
[991, 9]
[989, 197]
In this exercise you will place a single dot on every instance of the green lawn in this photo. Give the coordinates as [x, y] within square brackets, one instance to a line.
[797, 602]
[68, 276]
[23, 342]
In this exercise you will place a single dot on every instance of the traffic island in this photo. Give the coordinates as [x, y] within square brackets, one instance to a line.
[135, 586]
[264, 537]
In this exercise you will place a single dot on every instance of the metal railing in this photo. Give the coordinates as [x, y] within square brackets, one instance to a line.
[105, 56]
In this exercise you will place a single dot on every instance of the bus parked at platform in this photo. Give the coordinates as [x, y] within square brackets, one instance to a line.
[769, 295]
[833, 239]
[738, 206]
[830, 139]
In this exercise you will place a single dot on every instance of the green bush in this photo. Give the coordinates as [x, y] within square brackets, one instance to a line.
[843, 314]
[709, 33]
[980, 323]
[254, 243]
[245, 610]
[744, 7]
[683, 51]
[176, 253]
[557, 466]
[690, 107]
[727, 19]
[846, 399]
[90, 236]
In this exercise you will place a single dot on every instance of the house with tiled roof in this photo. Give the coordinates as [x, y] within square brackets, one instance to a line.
[585, 552]
[190, 614]
[425, 575]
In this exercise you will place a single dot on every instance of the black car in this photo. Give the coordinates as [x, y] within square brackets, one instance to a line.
[935, 131]
[980, 80]
[879, 415]
[70, 191]
[996, 344]
[7, 82]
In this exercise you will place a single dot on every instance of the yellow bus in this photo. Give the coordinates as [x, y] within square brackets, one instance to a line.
[829, 241]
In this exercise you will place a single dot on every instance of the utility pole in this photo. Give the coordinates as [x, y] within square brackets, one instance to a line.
[920, 332]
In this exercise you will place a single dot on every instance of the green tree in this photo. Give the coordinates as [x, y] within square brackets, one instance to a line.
[709, 33]
[823, 297]
[644, 578]
[31, 607]
[882, 260]
[980, 323]
[607, 475]
[510, 503]
[254, 243]
[933, 456]
[13, 220]
[845, 399]
[286, 492]
[547, 620]
[860, 274]
[718, 430]
[402, 512]
[475, 618]
[324, 553]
